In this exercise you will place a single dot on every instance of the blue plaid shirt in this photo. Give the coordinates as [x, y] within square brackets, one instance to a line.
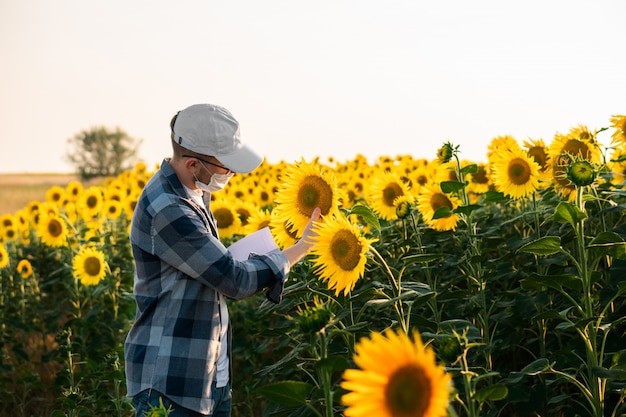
[180, 266]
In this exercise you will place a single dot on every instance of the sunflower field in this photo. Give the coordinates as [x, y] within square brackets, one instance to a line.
[435, 287]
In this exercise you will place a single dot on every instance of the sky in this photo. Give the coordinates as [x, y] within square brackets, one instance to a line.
[329, 78]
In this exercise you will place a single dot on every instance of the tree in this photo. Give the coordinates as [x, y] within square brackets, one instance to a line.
[99, 152]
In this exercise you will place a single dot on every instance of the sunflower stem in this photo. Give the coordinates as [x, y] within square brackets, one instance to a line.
[589, 332]
[397, 289]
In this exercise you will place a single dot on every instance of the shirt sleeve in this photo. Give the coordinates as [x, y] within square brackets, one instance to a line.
[183, 241]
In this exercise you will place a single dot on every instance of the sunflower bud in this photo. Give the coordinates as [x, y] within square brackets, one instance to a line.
[581, 173]
[403, 208]
[445, 153]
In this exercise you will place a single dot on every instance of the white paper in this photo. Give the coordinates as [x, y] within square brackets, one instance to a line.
[259, 242]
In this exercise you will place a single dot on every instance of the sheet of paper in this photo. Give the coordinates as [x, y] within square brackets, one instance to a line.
[259, 242]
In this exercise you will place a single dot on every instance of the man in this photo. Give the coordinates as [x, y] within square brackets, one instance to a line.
[178, 349]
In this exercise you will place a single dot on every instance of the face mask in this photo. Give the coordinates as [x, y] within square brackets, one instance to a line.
[218, 181]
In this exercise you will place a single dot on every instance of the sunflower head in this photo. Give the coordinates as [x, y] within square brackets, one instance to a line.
[24, 268]
[52, 230]
[311, 319]
[403, 206]
[398, 378]
[4, 256]
[340, 250]
[445, 153]
[580, 172]
[306, 187]
[385, 188]
[515, 173]
[89, 265]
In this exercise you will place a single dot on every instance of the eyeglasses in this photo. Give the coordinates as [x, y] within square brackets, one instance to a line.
[228, 171]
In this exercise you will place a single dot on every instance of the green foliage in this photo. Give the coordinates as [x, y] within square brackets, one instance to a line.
[100, 152]
[525, 305]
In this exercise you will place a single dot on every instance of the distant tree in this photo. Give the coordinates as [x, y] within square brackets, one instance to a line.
[99, 152]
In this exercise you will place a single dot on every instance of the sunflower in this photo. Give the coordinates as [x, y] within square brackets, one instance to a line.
[89, 265]
[404, 204]
[617, 167]
[305, 187]
[52, 230]
[502, 143]
[480, 181]
[422, 174]
[73, 190]
[112, 209]
[24, 268]
[244, 210]
[384, 189]
[257, 221]
[9, 228]
[228, 221]
[619, 123]
[4, 257]
[283, 232]
[9, 233]
[430, 200]
[398, 377]
[90, 202]
[514, 173]
[340, 251]
[579, 142]
[55, 194]
[538, 151]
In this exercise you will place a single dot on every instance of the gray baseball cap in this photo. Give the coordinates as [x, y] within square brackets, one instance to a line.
[212, 130]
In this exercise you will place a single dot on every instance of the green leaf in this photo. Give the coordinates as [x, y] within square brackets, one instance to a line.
[568, 212]
[556, 282]
[547, 245]
[467, 209]
[612, 374]
[534, 368]
[609, 243]
[492, 393]
[492, 196]
[289, 393]
[336, 363]
[367, 215]
[442, 212]
[422, 258]
[469, 169]
[451, 186]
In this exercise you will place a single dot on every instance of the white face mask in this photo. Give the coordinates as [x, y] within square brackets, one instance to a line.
[218, 181]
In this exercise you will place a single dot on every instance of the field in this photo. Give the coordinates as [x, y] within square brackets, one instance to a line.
[17, 190]
[501, 287]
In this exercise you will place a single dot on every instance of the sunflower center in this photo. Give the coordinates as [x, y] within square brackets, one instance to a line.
[391, 192]
[314, 192]
[480, 177]
[408, 392]
[92, 266]
[538, 153]
[92, 202]
[346, 249]
[244, 215]
[439, 200]
[54, 228]
[224, 217]
[519, 171]
[577, 148]
[291, 232]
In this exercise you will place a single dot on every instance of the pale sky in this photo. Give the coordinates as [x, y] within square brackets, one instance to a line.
[308, 79]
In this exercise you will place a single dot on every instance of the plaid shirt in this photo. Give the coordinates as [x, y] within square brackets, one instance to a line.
[181, 266]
